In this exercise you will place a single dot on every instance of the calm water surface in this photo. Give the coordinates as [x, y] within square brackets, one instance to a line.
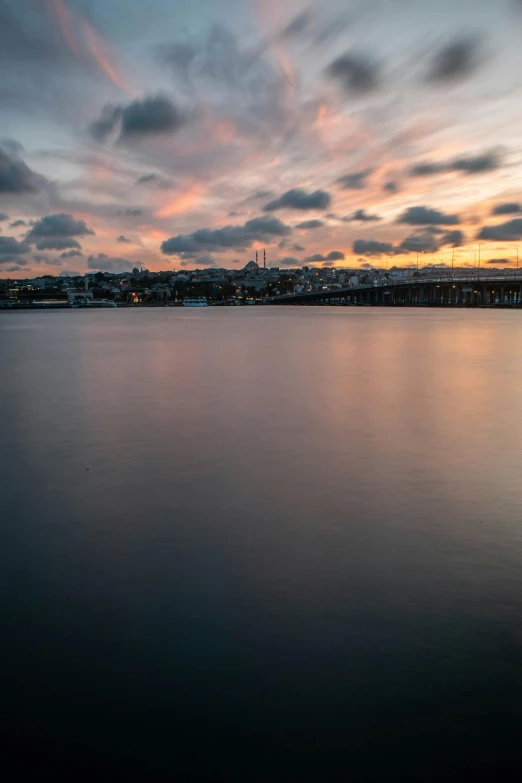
[263, 544]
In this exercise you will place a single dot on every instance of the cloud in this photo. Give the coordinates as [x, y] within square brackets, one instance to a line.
[424, 216]
[150, 116]
[289, 261]
[201, 261]
[57, 243]
[297, 26]
[17, 224]
[419, 243]
[475, 164]
[258, 229]
[155, 180]
[508, 208]
[308, 225]
[452, 238]
[107, 123]
[46, 260]
[498, 261]
[134, 212]
[363, 247]
[71, 254]
[362, 216]
[300, 199]
[146, 178]
[12, 247]
[3, 216]
[334, 255]
[58, 225]
[121, 238]
[155, 115]
[390, 187]
[355, 181]
[505, 232]
[455, 60]
[15, 175]
[429, 240]
[105, 263]
[355, 72]
[297, 248]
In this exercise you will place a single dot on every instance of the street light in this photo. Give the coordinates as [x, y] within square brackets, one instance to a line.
[479, 246]
[516, 248]
[453, 255]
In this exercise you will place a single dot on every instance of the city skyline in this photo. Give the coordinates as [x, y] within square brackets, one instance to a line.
[334, 135]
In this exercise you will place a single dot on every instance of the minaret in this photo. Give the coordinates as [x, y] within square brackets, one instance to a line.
[256, 259]
[264, 259]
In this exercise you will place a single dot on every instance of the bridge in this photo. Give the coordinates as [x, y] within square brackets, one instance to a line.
[444, 291]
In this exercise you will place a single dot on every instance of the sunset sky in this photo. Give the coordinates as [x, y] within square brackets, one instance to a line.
[175, 134]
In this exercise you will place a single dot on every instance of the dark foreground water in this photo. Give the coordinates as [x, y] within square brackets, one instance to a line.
[262, 544]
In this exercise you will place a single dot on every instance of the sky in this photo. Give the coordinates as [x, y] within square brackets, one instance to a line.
[171, 134]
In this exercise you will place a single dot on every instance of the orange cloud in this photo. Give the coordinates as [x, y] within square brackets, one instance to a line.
[182, 202]
[101, 53]
[89, 46]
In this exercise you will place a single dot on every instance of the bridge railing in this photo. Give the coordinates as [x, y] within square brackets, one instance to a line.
[414, 281]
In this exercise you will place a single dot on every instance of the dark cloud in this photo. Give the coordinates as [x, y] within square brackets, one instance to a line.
[362, 216]
[71, 254]
[498, 261]
[134, 212]
[455, 60]
[17, 224]
[317, 258]
[308, 225]
[105, 263]
[452, 238]
[257, 229]
[9, 246]
[15, 175]
[391, 187]
[363, 247]
[419, 243]
[289, 261]
[475, 164]
[355, 72]
[155, 115]
[3, 216]
[427, 169]
[334, 255]
[300, 199]
[430, 239]
[505, 232]
[297, 248]
[424, 216]
[155, 180]
[16, 268]
[355, 181]
[121, 238]
[57, 243]
[58, 225]
[508, 208]
[297, 26]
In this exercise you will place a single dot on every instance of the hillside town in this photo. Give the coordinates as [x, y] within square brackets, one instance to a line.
[254, 284]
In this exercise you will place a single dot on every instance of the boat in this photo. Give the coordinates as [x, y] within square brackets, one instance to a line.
[195, 301]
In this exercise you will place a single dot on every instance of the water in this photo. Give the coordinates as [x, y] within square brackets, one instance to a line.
[262, 544]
